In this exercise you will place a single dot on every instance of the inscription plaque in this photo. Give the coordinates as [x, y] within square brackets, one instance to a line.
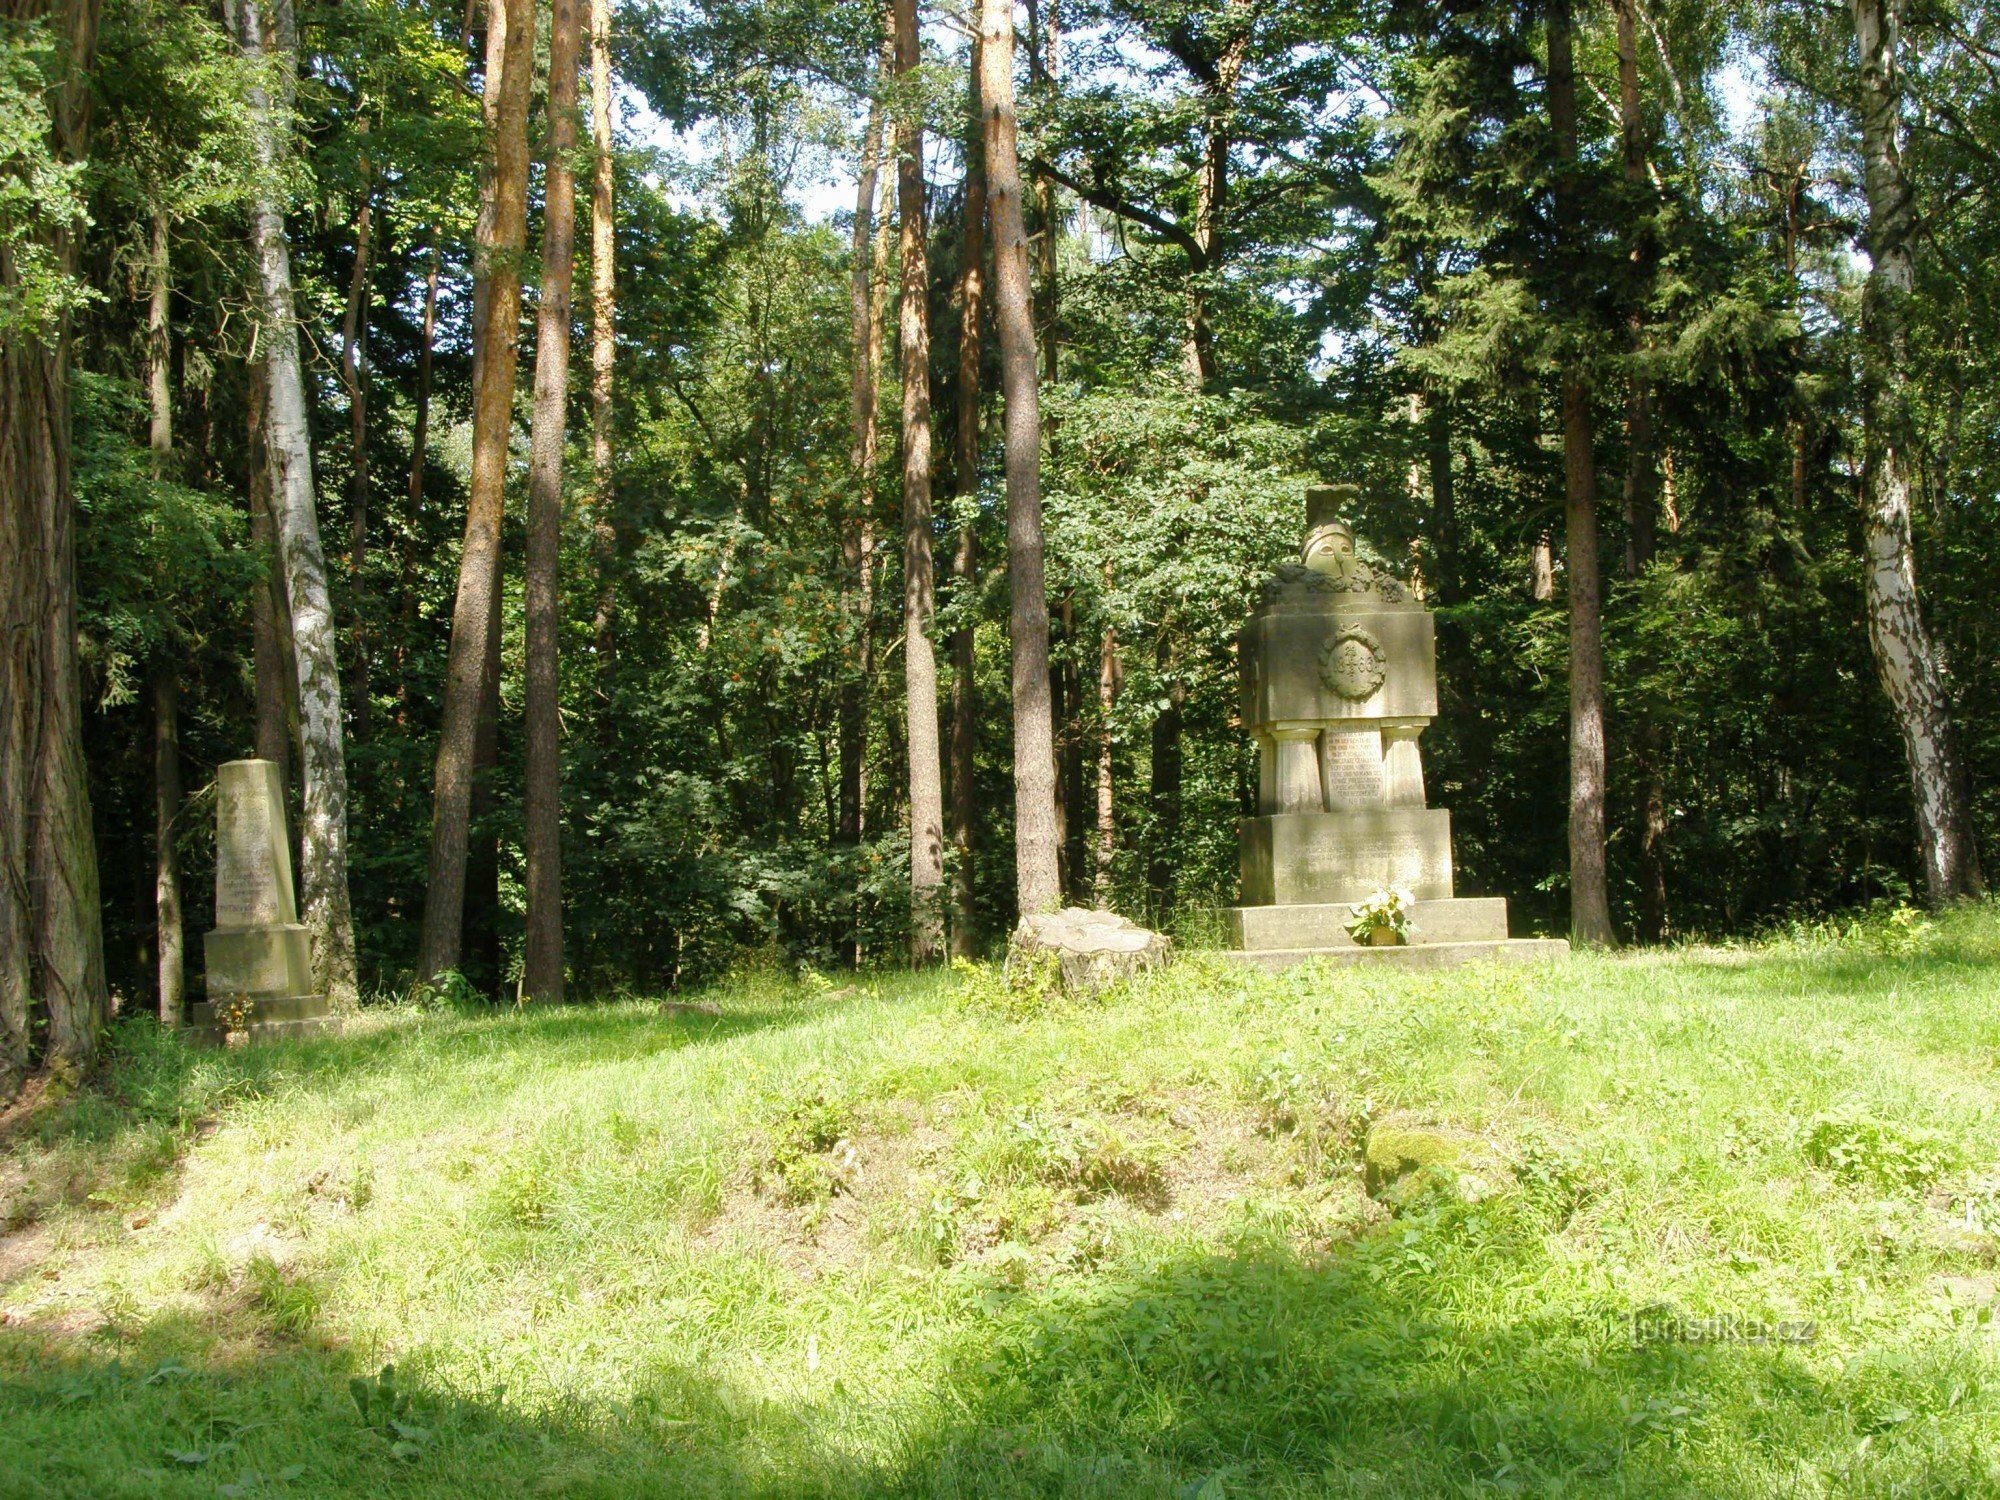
[1350, 766]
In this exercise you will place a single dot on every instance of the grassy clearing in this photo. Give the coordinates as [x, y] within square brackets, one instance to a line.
[901, 1238]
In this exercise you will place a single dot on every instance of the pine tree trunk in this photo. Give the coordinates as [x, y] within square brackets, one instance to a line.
[853, 707]
[420, 430]
[965, 557]
[1444, 504]
[603, 338]
[51, 933]
[1906, 659]
[1036, 834]
[323, 828]
[1590, 908]
[166, 687]
[543, 959]
[1046, 55]
[1164, 796]
[353, 344]
[919, 654]
[1069, 759]
[1107, 705]
[276, 677]
[1642, 483]
[509, 69]
[159, 352]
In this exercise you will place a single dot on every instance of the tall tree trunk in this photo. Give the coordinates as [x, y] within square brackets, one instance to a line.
[353, 378]
[1107, 705]
[481, 961]
[965, 557]
[509, 59]
[51, 929]
[603, 336]
[1211, 202]
[1589, 901]
[267, 28]
[276, 677]
[1069, 757]
[853, 707]
[1036, 835]
[1044, 58]
[919, 655]
[542, 968]
[1164, 796]
[1906, 659]
[169, 945]
[166, 687]
[1642, 481]
[1445, 562]
[420, 430]
[159, 353]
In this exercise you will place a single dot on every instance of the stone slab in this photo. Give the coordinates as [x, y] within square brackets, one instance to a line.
[1415, 956]
[266, 1031]
[1300, 859]
[253, 856]
[1275, 928]
[257, 961]
[281, 1008]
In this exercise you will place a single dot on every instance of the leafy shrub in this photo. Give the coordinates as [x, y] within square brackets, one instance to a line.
[1028, 984]
[1860, 1148]
[810, 1157]
[1084, 1156]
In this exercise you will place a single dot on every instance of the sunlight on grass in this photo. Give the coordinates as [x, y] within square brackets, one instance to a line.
[878, 1237]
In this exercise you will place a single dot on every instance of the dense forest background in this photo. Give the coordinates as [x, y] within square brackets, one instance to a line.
[1274, 243]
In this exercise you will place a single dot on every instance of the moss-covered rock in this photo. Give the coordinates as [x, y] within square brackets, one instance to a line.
[1405, 1157]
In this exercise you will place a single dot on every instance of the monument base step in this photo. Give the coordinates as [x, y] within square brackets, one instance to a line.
[1412, 955]
[271, 1018]
[1463, 919]
[262, 1008]
[262, 1031]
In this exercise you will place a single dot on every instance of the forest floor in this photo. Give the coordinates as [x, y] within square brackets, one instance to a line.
[1727, 1225]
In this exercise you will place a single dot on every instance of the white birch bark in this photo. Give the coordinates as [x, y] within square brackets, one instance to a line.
[1906, 659]
[268, 34]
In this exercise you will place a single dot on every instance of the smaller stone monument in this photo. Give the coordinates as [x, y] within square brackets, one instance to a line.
[259, 966]
[1339, 682]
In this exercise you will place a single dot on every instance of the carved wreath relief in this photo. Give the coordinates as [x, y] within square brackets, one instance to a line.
[1352, 665]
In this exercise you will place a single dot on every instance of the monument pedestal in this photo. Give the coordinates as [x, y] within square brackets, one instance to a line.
[1339, 682]
[1449, 931]
[1291, 859]
[258, 962]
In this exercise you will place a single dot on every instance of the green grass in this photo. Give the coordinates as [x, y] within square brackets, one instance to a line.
[901, 1238]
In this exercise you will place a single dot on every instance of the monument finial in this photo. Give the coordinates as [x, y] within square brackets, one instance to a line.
[1329, 543]
[1326, 502]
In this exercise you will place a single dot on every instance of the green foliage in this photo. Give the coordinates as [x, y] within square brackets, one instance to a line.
[1861, 1148]
[40, 197]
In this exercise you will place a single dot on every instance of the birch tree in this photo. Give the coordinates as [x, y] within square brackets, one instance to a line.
[1906, 659]
[267, 31]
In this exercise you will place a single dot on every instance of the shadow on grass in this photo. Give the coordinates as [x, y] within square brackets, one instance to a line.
[108, 1417]
[1367, 1373]
[1196, 1374]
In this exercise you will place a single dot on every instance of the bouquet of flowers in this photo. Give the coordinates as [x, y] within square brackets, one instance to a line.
[1383, 920]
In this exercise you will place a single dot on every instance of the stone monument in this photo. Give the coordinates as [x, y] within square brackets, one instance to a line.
[259, 966]
[1339, 683]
